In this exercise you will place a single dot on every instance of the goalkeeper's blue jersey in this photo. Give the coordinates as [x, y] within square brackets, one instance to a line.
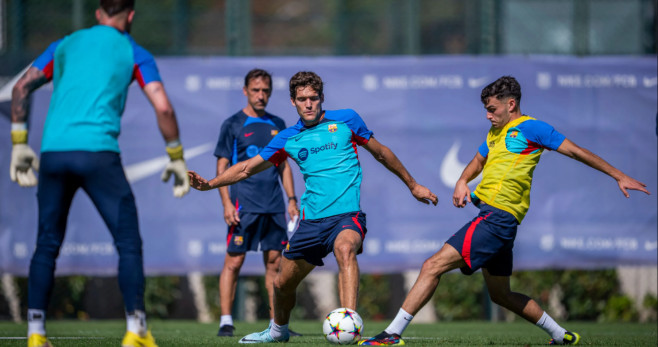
[327, 157]
[91, 70]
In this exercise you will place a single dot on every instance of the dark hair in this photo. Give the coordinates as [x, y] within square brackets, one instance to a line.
[504, 87]
[257, 73]
[112, 7]
[305, 79]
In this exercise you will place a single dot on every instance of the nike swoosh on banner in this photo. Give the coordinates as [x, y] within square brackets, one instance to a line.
[451, 168]
[146, 168]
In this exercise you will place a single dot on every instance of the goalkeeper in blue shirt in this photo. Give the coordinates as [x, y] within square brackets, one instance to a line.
[91, 70]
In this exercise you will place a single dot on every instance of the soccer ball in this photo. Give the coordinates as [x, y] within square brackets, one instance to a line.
[343, 326]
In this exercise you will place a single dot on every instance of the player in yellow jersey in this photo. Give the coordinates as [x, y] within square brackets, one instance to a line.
[507, 159]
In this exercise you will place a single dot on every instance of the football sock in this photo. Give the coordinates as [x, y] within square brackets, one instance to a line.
[136, 322]
[36, 322]
[401, 321]
[225, 319]
[551, 327]
[276, 331]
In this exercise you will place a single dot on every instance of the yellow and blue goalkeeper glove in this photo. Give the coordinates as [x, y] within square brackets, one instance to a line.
[23, 158]
[177, 168]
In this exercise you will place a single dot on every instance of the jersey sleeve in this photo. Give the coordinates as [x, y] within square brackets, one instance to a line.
[274, 152]
[484, 149]
[46, 60]
[145, 69]
[226, 142]
[361, 132]
[542, 133]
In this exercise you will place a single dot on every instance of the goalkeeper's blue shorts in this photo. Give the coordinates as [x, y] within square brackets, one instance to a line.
[314, 238]
[487, 241]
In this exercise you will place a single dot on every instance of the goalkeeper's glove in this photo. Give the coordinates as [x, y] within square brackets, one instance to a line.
[23, 160]
[178, 168]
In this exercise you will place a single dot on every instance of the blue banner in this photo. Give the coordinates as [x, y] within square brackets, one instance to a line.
[428, 111]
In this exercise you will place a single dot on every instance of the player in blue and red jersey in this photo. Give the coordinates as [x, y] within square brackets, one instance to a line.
[91, 70]
[324, 145]
[507, 160]
[254, 210]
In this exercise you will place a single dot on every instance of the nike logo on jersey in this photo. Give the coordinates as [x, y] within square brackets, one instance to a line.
[248, 134]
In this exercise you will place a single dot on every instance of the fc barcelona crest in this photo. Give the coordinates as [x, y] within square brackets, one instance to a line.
[238, 240]
[333, 128]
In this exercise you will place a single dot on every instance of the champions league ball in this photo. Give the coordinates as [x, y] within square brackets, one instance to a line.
[343, 326]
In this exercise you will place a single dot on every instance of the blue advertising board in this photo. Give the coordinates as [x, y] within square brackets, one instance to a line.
[428, 111]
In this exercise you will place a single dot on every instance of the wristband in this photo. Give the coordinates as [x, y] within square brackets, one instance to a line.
[292, 198]
[175, 153]
[18, 137]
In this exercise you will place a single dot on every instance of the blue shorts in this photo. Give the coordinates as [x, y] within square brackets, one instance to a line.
[267, 230]
[314, 238]
[487, 241]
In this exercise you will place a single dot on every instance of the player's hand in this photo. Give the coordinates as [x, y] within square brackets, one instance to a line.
[23, 160]
[424, 195]
[462, 195]
[293, 210]
[197, 182]
[627, 182]
[231, 214]
[179, 170]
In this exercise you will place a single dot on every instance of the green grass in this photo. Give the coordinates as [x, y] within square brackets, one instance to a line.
[474, 333]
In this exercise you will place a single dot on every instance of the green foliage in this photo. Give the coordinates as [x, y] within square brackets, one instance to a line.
[586, 292]
[460, 297]
[619, 308]
[585, 295]
[650, 303]
[67, 297]
[211, 285]
[160, 293]
[374, 295]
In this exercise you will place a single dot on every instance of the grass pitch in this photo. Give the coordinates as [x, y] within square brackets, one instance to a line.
[474, 333]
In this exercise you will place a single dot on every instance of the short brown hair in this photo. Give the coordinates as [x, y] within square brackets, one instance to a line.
[257, 73]
[305, 79]
[112, 7]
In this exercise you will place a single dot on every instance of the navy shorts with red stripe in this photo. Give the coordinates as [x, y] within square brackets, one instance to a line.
[314, 238]
[487, 241]
[257, 232]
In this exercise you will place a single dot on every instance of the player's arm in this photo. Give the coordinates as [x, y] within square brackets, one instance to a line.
[385, 156]
[166, 118]
[231, 216]
[23, 158]
[235, 173]
[31, 80]
[462, 193]
[583, 155]
[164, 112]
[289, 187]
